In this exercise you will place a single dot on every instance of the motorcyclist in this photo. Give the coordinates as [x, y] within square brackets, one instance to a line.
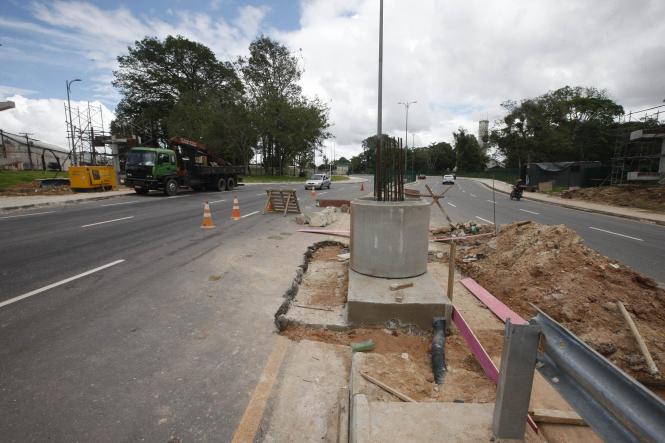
[518, 188]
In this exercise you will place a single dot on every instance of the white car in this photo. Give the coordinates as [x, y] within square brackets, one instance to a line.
[318, 181]
[448, 179]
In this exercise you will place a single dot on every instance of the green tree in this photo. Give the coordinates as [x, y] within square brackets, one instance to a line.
[570, 123]
[155, 75]
[468, 153]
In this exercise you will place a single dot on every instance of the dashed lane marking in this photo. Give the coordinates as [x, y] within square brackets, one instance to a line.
[451, 204]
[122, 203]
[107, 221]
[473, 195]
[217, 201]
[615, 233]
[60, 283]
[530, 212]
[251, 213]
[484, 219]
[491, 201]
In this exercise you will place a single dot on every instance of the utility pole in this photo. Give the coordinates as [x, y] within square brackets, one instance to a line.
[377, 173]
[406, 129]
[71, 124]
[27, 142]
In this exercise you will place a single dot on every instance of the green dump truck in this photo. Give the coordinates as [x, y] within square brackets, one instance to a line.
[185, 164]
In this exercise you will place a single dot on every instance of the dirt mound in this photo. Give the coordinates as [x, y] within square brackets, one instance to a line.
[633, 196]
[549, 266]
[34, 188]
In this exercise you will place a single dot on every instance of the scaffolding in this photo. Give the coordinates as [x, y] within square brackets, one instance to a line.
[636, 156]
[87, 136]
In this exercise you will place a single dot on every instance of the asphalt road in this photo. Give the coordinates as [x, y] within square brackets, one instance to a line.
[637, 244]
[123, 320]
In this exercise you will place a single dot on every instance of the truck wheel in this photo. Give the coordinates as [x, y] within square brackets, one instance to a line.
[230, 184]
[171, 187]
[221, 184]
[141, 191]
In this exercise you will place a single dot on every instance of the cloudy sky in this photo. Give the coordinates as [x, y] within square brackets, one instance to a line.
[458, 59]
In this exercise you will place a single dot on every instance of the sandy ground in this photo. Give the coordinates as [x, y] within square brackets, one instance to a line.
[633, 196]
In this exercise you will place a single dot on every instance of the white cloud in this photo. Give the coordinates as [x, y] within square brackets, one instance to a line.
[45, 118]
[459, 59]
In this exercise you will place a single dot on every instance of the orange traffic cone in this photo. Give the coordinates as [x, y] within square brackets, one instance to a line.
[235, 212]
[269, 207]
[313, 194]
[207, 217]
[362, 186]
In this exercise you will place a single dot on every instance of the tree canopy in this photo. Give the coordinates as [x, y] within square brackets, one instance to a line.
[179, 87]
[570, 123]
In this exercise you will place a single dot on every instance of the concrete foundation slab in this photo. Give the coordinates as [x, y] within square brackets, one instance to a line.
[372, 303]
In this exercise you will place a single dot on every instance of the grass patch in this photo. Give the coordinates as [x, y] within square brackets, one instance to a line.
[339, 178]
[11, 178]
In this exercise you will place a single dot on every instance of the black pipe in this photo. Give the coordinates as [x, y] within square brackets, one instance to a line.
[438, 349]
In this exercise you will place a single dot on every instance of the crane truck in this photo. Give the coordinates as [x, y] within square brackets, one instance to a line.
[184, 164]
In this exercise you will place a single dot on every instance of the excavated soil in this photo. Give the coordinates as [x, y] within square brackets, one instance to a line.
[633, 196]
[326, 281]
[33, 188]
[551, 267]
[465, 380]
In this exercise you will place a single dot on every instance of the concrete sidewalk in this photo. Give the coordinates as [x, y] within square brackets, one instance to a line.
[618, 211]
[34, 201]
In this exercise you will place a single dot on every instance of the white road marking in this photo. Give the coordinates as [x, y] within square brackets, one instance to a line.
[616, 233]
[530, 212]
[263, 193]
[60, 283]
[463, 190]
[484, 219]
[27, 215]
[491, 201]
[178, 196]
[108, 221]
[122, 203]
[218, 201]
[251, 213]
[473, 195]
[451, 204]
[324, 192]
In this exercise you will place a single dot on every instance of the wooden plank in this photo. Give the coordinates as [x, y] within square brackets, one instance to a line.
[340, 233]
[653, 369]
[495, 305]
[387, 388]
[556, 416]
[397, 286]
[286, 206]
[489, 368]
[451, 270]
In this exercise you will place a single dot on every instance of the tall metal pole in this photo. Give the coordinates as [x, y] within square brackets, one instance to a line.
[379, 130]
[71, 124]
[406, 129]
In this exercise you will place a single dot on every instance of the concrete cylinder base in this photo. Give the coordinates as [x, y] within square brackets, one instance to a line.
[389, 239]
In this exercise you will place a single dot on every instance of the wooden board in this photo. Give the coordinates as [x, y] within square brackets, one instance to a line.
[557, 416]
[282, 200]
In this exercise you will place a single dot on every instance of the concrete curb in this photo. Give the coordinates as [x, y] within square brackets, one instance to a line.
[61, 203]
[593, 210]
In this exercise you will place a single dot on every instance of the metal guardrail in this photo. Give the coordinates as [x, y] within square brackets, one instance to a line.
[616, 406]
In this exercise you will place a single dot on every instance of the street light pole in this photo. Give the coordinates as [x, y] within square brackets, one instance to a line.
[406, 130]
[377, 172]
[71, 124]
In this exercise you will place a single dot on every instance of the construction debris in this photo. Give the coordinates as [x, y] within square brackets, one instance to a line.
[387, 388]
[653, 369]
[636, 196]
[363, 346]
[557, 417]
[397, 286]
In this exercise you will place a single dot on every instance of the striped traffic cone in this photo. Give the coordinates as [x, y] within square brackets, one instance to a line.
[235, 212]
[313, 194]
[269, 207]
[207, 217]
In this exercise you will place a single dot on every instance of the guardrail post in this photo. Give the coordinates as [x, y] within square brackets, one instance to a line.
[518, 362]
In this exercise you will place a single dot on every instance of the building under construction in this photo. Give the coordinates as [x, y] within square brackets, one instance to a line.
[22, 152]
[639, 152]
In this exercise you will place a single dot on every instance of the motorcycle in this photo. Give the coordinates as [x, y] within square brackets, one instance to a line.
[516, 193]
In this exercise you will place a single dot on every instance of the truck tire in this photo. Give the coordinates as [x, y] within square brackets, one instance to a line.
[141, 191]
[171, 187]
[230, 184]
[221, 184]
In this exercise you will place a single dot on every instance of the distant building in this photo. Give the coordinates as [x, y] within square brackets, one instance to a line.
[24, 153]
[483, 133]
